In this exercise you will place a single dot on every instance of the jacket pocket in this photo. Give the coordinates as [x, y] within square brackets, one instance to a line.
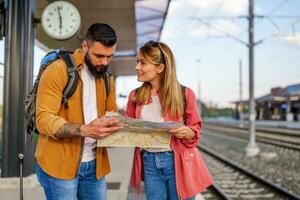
[190, 153]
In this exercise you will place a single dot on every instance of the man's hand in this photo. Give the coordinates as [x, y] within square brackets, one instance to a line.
[96, 129]
[99, 128]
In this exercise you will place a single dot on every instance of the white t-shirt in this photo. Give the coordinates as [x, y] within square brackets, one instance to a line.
[153, 112]
[89, 111]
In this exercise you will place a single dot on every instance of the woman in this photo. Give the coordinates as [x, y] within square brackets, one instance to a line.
[177, 172]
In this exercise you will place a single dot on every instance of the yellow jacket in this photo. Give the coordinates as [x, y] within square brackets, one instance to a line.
[61, 158]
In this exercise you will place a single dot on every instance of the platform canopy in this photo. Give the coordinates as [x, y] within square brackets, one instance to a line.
[134, 21]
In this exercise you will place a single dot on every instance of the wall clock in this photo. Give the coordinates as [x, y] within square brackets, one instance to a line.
[61, 20]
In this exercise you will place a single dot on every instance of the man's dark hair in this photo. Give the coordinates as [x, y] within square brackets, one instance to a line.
[102, 33]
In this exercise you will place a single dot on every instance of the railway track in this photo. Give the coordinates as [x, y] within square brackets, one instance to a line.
[281, 137]
[231, 181]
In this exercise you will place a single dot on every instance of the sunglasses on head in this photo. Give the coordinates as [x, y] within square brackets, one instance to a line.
[155, 44]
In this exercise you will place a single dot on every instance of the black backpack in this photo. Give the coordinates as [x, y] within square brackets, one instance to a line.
[30, 101]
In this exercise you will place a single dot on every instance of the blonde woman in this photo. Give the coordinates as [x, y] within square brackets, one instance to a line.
[177, 172]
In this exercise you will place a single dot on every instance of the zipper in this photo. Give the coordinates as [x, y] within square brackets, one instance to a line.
[81, 139]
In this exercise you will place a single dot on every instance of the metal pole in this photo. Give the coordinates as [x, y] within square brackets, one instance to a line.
[29, 145]
[21, 156]
[251, 149]
[19, 41]
[241, 124]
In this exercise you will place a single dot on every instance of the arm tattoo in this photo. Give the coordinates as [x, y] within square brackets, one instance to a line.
[68, 130]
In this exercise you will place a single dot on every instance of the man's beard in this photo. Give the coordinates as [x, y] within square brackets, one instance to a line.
[96, 71]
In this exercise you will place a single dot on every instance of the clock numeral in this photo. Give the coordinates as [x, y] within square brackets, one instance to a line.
[50, 13]
[49, 26]
[71, 14]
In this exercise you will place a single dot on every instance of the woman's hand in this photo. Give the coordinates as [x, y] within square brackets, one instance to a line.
[183, 132]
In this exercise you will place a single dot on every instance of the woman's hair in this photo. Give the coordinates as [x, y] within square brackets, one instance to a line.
[157, 53]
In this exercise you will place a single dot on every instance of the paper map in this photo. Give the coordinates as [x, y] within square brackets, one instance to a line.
[139, 133]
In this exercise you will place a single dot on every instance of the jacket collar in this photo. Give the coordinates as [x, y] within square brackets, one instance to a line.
[78, 57]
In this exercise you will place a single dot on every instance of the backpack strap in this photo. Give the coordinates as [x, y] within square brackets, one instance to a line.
[106, 76]
[72, 77]
[184, 102]
[135, 103]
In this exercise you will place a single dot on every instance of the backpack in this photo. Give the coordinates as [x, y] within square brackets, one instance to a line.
[30, 100]
[184, 102]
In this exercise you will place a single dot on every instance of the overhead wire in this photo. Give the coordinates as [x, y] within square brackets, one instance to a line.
[214, 14]
[284, 2]
[237, 38]
[269, 13]
[225, 33]
[269, 17]
[278, 6]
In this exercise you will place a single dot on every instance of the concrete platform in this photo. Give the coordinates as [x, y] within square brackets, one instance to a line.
[118, 181]
[121, 163]
[10, 190]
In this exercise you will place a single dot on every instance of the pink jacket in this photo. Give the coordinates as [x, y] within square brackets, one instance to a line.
[192, 175]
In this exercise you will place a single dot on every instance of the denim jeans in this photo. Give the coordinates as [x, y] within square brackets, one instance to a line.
[159, 175]
[84, 186]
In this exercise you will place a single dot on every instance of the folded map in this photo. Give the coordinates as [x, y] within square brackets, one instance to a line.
[139, 133]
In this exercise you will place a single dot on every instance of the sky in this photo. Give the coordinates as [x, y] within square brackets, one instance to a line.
[207, 56]
[207, 59]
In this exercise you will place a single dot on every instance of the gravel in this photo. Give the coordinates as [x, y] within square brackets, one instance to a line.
[277, 164]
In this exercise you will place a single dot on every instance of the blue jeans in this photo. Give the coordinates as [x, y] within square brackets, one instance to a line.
[84, 186]
[159, 175]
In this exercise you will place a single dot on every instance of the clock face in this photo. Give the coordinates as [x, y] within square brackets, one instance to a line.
[61, 20]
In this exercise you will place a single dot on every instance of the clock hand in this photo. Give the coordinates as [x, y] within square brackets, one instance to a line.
[60, 19]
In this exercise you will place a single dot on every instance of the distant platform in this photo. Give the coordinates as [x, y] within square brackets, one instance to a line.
[259, 123]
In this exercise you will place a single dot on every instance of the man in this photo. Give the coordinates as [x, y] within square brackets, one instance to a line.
[69, 165]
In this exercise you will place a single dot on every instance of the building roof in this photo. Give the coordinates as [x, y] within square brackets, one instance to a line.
[150, 19]
[270, 97]
[279, 96]
[150, 16]
[291, 90]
